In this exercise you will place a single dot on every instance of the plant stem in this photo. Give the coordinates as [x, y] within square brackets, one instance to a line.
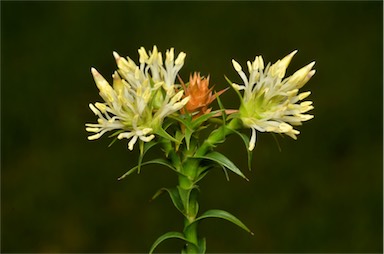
[218, 136]
[190, 234]
[189, 167]
[188, 193]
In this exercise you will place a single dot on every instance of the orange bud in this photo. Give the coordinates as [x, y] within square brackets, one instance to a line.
[200, 95]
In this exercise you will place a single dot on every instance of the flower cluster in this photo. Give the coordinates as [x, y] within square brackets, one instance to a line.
[140, 97]
[143, 95]
[272, 103]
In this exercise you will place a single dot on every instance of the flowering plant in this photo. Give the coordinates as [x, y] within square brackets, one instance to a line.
[146, 104]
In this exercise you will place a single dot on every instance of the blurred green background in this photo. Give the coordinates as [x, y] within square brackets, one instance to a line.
[321, 193]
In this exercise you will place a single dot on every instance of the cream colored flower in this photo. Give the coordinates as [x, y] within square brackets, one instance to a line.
[140, 97]
[272, 103]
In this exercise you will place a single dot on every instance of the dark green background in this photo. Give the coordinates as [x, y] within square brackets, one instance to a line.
[321, 193]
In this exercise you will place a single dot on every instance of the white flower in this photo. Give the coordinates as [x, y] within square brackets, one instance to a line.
[272, 103]
[160, 73]
[140, 97]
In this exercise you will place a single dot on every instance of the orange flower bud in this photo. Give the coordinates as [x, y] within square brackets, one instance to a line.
[200, 95]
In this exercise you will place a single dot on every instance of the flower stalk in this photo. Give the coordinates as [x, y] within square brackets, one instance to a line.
[145, 105]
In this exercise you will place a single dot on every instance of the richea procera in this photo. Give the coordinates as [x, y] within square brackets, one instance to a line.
[149, 104]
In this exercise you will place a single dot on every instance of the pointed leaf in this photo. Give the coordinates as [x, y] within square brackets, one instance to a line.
[188, 135]
[246, 143]
[155, 161]
[226, 173]
[223, 161]
[237, 91]
[201, 119]
[174, 195]
[185, 195]
[223, 114]
[149, 145]
[179, 136]
[167, 123]
[115, 133]
[141, 155]
[277, 141]
[115, 137]
[162, 133]
[166, 236]
[144, 148]
[223, 215]
[203, 171]
[112, 142]
[184, 119]
[202, 245]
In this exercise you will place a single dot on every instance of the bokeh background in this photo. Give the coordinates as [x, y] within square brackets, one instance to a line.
[321, 193]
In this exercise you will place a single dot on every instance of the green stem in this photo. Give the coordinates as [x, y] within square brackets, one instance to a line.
[218, 136]
[188, 193]
[191, 235]
[171, 154]
[186, 188]
[189, 167]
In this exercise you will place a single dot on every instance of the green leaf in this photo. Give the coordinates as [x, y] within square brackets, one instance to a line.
[155, 161]
[223, 114]
[144, 148]
[246, 143]
[226, 173]
[184, 119]
[202, 245]
[162, 133]
[166, 124]
[115, 137]
[169, 235]
[223, 215]
[112, 142]
[149, 145]
[188, 135]
[141, 155]
[115, 133]
[179, 136]
[237, 91]
[277, 141]
[185, 197]
[174, 195]
[201, 119]
[203, 171]
[223, 161]
[190, 127]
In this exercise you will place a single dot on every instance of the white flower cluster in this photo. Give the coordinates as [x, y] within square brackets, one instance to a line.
[140, 97]
[272, 103]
